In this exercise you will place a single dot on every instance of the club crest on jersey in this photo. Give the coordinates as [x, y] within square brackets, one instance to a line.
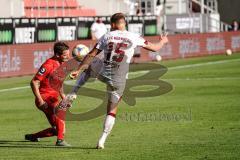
[42, 71]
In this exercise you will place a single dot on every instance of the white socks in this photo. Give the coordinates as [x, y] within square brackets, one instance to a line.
[107, 127]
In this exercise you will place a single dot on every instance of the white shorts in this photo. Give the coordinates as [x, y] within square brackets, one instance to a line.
[115, 92]
[115, 89]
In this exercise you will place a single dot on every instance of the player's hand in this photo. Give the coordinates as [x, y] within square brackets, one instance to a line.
[43, 105]
[164, 38]
[64, 104]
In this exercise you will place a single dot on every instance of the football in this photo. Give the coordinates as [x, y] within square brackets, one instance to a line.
[79, 52]
[229, 52]
[158, 57]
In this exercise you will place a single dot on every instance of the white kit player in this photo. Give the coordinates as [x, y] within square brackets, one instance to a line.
[118, 47]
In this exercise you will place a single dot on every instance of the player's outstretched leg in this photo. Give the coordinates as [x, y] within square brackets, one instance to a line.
[108, 124]
[31, 137]
[67, 102]
[81, 81]
[49, 132]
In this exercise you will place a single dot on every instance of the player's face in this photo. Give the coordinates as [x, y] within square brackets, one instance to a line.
[65, 56]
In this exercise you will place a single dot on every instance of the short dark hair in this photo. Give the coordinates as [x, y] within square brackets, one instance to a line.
[116, 17]
[59, 47]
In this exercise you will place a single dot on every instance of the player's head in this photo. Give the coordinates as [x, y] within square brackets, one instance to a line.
[99, 20]
[61, 51]
[118, 21]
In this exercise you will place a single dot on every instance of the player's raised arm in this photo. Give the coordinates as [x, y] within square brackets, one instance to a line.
[156, 46]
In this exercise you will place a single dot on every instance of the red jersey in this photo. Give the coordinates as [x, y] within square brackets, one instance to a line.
[43, 75]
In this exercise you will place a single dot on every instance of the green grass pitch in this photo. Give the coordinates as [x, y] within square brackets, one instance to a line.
[205, 97]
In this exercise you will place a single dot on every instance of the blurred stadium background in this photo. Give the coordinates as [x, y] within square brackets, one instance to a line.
[205, 80]
[197, 27]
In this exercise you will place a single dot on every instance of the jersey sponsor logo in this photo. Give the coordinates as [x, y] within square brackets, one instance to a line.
[41, 71]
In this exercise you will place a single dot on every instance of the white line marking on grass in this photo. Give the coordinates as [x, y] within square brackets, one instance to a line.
[188, 66]
[203, 64]
[144, 72]
[202, 78]
[14, 89]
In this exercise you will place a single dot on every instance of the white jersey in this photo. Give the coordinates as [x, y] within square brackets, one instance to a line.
[118, 47]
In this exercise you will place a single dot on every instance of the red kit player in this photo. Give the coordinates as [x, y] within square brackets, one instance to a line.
[47, 98]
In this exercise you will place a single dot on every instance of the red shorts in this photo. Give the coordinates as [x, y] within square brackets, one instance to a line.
[51, 100]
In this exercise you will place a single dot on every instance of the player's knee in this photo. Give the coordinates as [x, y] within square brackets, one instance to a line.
[112, 114]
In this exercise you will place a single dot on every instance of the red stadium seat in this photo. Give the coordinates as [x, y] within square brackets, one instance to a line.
[55, 8]
[51, 3]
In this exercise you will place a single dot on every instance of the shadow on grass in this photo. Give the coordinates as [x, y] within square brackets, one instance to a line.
[28, 144]
[45, 146]
[20, 141]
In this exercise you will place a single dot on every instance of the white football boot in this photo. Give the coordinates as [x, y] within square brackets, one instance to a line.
[67, 102]
[71, 97]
